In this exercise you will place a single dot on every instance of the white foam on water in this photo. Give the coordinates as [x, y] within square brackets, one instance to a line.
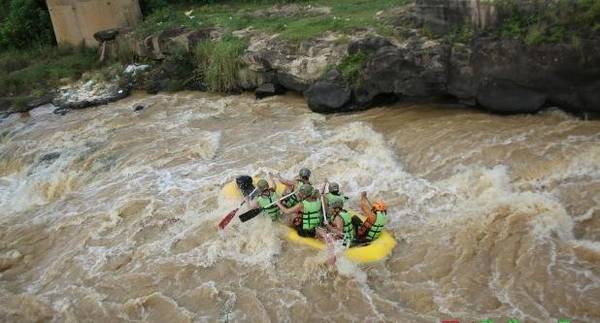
[147, 186]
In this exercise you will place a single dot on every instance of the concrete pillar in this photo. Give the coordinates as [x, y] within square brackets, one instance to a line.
[76, 21]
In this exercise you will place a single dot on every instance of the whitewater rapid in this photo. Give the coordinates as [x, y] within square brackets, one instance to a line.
[107, 214]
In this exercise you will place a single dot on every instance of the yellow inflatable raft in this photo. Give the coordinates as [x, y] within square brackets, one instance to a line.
[375, 251]
[231, 192]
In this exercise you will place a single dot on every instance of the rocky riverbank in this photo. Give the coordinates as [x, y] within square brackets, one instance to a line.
[437, 49]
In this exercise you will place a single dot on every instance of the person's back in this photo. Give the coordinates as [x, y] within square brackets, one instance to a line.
[266, 199]
[377, 227]
[311, 213]
[334, 193]
[372, 227]
[349, 235]
[340, 224]
[308, 215]
[294, 185]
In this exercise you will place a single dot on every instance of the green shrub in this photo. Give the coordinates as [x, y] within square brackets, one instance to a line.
[39, 69]
[125, 53]
[150, 6]
[345, 16]
[463, 34]
[26, 23]
[219, 62]
[538, 22]
[351, 65]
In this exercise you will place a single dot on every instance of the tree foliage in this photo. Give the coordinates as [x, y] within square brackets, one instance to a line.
[24, 23]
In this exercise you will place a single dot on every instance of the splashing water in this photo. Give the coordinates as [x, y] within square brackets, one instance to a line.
[109, 214]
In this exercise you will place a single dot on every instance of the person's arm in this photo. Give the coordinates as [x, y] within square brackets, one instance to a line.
[294, 209]
[366, 226]
[337, 227]
[285, 182]
[273, 182]
[252, 204]
[365, 206]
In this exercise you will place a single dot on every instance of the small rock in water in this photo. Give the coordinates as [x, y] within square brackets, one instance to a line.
[50, 156]
[61, 111]
[138, 107]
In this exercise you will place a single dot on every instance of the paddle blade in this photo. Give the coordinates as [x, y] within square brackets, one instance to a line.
[227, 219]
[249, 215]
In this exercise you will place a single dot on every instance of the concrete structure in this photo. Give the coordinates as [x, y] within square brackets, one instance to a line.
[75, 21]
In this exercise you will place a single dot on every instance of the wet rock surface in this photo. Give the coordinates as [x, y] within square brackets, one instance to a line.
[91, 93]
[498, 75]
[329, 94]
[269, 89]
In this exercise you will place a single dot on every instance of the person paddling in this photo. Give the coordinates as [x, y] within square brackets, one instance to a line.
[308, 212]
[264, 200]
[376, 214]
[294, 185]
[334, 194]
[340, 224]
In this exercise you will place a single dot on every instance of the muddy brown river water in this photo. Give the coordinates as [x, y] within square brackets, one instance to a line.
[109, 215]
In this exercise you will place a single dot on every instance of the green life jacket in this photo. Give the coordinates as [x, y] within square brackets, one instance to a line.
[293, 200]
[273, 210]
[377, 228]
[332, 197]
[311, 214]
[290, 201]
[348, 227]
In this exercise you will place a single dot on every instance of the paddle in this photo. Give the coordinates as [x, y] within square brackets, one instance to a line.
[328, 239]
[231, 214]
[323, 203]
[254, 212]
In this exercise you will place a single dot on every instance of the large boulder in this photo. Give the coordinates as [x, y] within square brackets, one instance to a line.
[368, 44]
[590, 95]
[41, 100]
[295, 67]
[85, 94]
[292, 82]
[461, 78]
[417, 70]
[504, 96]
[328, 95]
[256, 70]
[566, 76]
[9, 105]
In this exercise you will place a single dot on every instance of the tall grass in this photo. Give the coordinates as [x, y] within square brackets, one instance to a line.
[37, 70]
[219, 63]
[345, 16]
[351, 66]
